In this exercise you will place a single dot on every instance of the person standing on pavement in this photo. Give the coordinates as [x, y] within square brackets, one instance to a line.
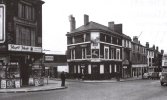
[63, 77]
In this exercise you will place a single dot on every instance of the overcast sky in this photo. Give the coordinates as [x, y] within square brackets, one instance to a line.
[145, 17]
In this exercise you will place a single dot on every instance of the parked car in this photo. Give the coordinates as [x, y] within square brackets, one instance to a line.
[146, 76]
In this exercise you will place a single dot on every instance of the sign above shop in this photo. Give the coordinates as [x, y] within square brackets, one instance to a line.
[49, 58]
[13, 47]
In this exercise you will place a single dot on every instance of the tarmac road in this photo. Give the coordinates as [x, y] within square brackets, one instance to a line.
[129, 90]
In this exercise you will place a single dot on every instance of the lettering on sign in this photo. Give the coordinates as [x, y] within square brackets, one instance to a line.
[13, 47]
[49, 58]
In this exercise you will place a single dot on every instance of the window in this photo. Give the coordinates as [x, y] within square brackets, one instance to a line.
[118, 54]
[26, 11]
[83, 53]
[106, 52]
[72, 53]
[25, 35]
[112, 53]
[84, 37]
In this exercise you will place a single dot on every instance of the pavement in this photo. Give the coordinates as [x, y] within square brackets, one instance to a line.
[55, 84]
[48, 85]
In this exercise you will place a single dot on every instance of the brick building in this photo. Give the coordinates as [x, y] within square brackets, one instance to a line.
[139, 57]
[94, 51]
[20, 42]
[126, 56]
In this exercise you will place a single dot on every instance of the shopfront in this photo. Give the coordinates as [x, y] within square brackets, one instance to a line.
[20, 68]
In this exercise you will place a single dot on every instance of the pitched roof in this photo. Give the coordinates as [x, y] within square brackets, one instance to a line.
[93, 25]
[96, 26]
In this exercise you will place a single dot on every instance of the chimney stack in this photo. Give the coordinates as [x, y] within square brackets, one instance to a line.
[111, 25]
[72, 23]
[157, 48]
[153, 47]
[147, 44]
[86, 19]
[162, 52]
[118, 28]
[135, 39]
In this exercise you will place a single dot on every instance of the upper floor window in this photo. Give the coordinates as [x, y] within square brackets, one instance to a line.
[112, 53]
[83, 53]
[26, 11]
[106, 52]
[72, 53]
[118, 54]
[25, 35]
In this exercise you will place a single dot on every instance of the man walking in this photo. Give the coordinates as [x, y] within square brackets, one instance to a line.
[63, 77]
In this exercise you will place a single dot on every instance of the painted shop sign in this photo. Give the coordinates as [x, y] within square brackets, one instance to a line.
[2, 23]
[13, 47]
[49, 58]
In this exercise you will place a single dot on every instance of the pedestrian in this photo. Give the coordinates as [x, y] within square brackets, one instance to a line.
[63, 77]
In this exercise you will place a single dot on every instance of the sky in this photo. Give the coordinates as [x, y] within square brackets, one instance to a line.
[144, 18]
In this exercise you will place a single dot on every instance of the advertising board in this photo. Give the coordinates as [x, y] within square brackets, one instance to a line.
[2, 23]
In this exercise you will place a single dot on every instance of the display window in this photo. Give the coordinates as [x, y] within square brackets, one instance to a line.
[13, 71]
[36, 78]
[36, 71]
[10, 75]
[2, 72]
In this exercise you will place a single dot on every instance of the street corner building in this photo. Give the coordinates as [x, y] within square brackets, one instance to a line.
[20, 43]
[95, 51]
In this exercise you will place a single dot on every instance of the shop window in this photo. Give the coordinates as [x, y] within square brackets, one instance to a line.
[36, 71]
[13, 70]
[115, 68]
[2, 71]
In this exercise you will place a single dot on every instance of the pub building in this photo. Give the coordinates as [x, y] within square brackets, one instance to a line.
[94, 51]
[21, 56]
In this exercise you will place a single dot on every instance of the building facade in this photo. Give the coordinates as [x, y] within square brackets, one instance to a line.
[94, 51]
[20, 42]
[126, 57]
[139, 58]
[55, 64]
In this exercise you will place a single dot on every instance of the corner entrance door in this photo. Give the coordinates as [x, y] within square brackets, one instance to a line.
[95, 71]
